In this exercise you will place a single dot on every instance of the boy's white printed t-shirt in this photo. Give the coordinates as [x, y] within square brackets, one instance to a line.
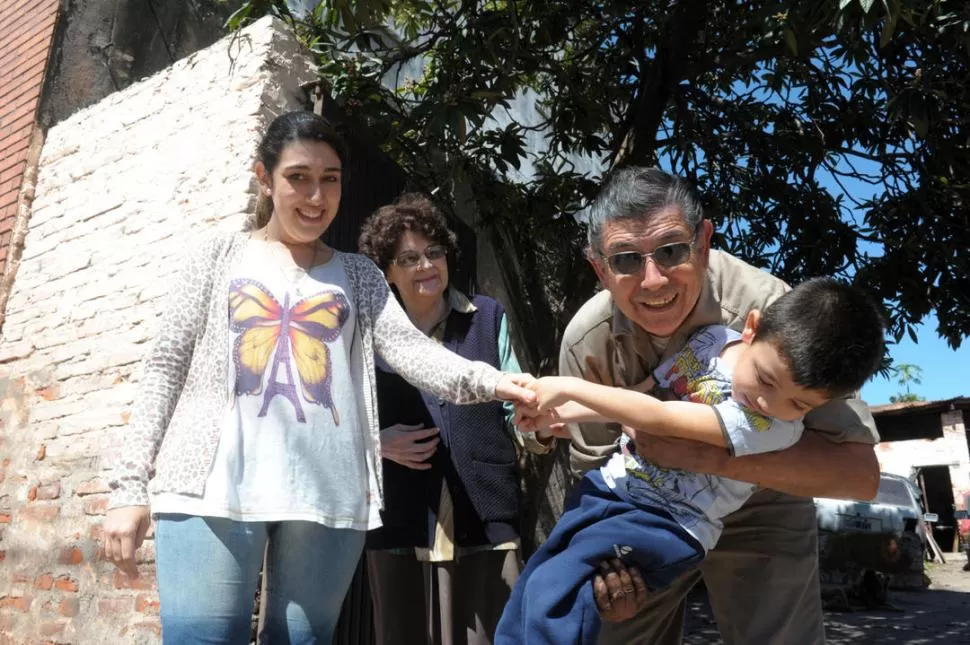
[698, 501]
[292, 445]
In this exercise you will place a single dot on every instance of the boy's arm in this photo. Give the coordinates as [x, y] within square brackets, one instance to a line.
[677, 419]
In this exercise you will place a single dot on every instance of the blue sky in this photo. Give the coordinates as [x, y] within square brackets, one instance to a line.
[945, 371]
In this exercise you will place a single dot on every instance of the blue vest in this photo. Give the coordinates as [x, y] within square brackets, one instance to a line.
[476, 456]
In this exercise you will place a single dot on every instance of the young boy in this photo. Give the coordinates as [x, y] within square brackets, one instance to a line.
[744, 392]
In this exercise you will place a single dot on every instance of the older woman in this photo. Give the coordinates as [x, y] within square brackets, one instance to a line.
[442, 566]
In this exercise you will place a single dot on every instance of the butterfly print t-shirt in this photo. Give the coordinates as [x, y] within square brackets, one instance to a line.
[697, 501]
[291, 446]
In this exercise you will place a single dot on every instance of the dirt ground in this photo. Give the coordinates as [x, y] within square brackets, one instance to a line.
[939, 614]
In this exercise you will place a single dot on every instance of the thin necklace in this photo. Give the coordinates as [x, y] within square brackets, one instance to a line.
[299, 273]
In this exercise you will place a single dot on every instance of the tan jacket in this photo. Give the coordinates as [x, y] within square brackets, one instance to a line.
[604, 346]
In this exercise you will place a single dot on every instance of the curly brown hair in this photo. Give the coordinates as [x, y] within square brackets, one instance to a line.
[413, 212]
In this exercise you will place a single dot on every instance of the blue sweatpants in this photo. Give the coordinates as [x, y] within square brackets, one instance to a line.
[552, 603]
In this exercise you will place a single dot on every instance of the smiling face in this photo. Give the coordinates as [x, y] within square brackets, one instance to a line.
[656, 298]
[305, 189]
[762, 379]
[423, 282]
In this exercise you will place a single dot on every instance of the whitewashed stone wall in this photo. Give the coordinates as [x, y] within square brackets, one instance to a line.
[124, 186]
[902, 457]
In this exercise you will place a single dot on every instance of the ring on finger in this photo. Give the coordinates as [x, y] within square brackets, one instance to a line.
[628, 589]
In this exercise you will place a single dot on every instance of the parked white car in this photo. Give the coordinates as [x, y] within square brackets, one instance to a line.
[887, 534]
[896, 510]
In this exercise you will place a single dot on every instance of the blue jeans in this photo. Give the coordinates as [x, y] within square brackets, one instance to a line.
[208, 568]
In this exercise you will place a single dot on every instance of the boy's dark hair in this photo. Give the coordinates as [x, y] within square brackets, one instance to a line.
[831, 335]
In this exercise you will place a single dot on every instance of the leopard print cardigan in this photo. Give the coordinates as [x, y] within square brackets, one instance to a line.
[185, 391]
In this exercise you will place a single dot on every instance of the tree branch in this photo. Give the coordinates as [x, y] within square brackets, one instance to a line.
[654, 88]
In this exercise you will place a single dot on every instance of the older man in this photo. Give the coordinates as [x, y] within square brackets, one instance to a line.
[650, 248]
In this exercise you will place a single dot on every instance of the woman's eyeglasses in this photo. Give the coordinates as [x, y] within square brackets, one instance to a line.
[667, 256]
[410, 259]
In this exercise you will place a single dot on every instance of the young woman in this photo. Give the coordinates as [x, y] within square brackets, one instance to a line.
[257, 421]
[442, 565]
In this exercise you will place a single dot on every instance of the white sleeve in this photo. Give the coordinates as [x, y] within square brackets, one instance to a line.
[750, 433]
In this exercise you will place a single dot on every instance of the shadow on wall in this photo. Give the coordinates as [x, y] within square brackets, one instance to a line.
[101, 47]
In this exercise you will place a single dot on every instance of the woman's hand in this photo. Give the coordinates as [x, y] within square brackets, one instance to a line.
[124, 531]
[619, 591]
[515, 388]
[409, 445]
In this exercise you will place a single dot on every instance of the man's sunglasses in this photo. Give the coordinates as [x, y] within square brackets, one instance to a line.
[410, 259]
[667, 256]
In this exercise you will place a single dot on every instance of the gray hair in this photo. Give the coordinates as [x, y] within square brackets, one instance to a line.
[639, 193]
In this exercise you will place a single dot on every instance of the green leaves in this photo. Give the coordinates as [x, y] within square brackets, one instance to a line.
[826, 138]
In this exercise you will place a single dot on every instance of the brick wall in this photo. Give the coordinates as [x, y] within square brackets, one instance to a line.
[123, 187]
[26, 33]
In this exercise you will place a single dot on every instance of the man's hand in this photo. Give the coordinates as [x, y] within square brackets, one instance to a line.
[124, 530]
[678, 453]
[619, 591]
[516, 388]
[408, 445]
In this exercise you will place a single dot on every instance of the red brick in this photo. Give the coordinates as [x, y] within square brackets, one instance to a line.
[92, 487]
[44, 582]
[20, 577]
[20, 603]
[51, 628]
[96, 506]
[40, 513]
[49, 393]
[66, 583]
[13, 16]
[69, 607]
[14, 147]
[15, 142]
[14, 170]
[114, 606]
[23, 122]
[29, 41]
[72, 555]
[49, 491]
[22, 103]
[27, 61]
[145, 604]
[142, 583]
[18, 112]
[148, 626]
[4, 518]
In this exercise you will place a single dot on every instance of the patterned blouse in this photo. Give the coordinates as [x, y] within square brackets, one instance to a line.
[174, 430]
